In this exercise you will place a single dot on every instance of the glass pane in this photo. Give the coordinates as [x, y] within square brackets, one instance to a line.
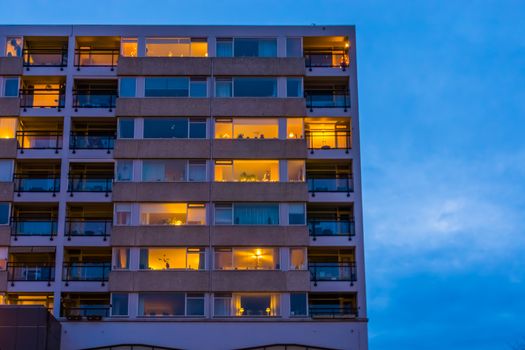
[223, 215]
[167, 87]
[14, 46]
[168, 47]
[256, 214]
[224, 48]
[123, 212]
[161, 304]
[4, 213]
[255, 305]
[255, 87]
[129, 47]
[197, 215]
[297, 258]
[296, 214]
[298, 304]
[256, 128]
[124, 170]
[248, 47]
[197, 130]
[6, 167]
[8, 128]
[128, 87]
[199, 47]
[222, 306]
[126, 128]
[198, 88]
[294, 87]
[164, 170]
[223, 88]
[119, 304]
[195, 306]
[121, 258]
[163, 214]
[197, 171]
[294, 128]
[293, 47]
[166, 128]
[11, 87]
[295, 170]
[255, 258]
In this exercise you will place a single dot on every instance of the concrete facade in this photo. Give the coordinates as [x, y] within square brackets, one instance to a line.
[187, 187]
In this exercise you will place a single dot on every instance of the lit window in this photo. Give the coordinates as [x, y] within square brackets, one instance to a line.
[8, 128]
[247, 170]
[121, 258]
[329, 135]
[129, 47]
[172, 258]
[294, 128]
[256, 305]
[3, 260]
[247, 128]
[172, 214]
[161, 304]
[246, 258]
[297, 259]
[295, 170]
[176, 47]
[14, 46]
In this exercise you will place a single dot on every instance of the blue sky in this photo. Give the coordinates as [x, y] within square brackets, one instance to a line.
[442, 108]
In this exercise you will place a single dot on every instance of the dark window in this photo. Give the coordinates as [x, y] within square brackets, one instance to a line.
[126, 128]
[165, 128]
[255, 87]
[167, 87]
[298, 304]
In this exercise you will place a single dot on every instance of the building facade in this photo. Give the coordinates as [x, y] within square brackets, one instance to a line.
[185, 187]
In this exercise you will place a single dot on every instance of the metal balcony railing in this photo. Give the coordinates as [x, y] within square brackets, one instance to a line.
[90, 183]
[45, 58]
[94, 98]
[318, 311]
[35, 182]
[322, 58]
[326, 140]
[42, 98]
[92, 272]
[92, 227]
[34, 271]
[328, 271]
[91, 313]
[80, 140]
[96, 58]
[343, 228]
[46, 227]
[322, 183]
[39, 139]
[330, 98]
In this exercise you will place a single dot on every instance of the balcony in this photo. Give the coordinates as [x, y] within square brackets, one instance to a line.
[90, 177]
[89, 220]
[337, 228]
[327, 98]
[90, 272]
[45, 52]
[332, 305]
[330, 271]
[39, 139]
[95, 94]
[37, 177]
[34, 220]
[92, 141]
[329, 177]
[97, 51]
[34, 271]
[89, 306]
[326, 52]
[320, 183]
[328, 134]
[42, 92]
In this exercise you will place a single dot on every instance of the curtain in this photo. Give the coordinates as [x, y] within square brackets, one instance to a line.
[153, 171]
[256, 214]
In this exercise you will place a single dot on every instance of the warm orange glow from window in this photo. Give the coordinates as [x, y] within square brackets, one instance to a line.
[129, 47]
[172, 214]
[172, 258]
[176, 47]
[247, 128]
[8, 128]
[247, 171]
[294, 128]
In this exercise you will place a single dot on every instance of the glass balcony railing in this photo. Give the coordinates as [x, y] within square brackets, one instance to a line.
[324, 140]
[327, 271]
[331, 228]
[96, 272]
[36, 183]
[327, 99]
[30, 272]
[90, 184]
[321, 311]
[96, 58]
[93, 312]
[33, 227]
[329, 184]
[88, 227]
[39, 140]
[42, 98]
[102, 141]
[326, 59]
[45, 58]
[94, 98]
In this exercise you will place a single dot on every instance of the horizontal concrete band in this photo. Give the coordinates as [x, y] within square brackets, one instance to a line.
[227, 235]
[201, 107]
[9, 106]
[220, 149]
[205, 281]
[11, 66]
[207, 66]
[206, 191]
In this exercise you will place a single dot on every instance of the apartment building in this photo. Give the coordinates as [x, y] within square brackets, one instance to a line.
[183, 187]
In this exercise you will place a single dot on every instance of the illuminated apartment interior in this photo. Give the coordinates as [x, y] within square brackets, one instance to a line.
[183, 187]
